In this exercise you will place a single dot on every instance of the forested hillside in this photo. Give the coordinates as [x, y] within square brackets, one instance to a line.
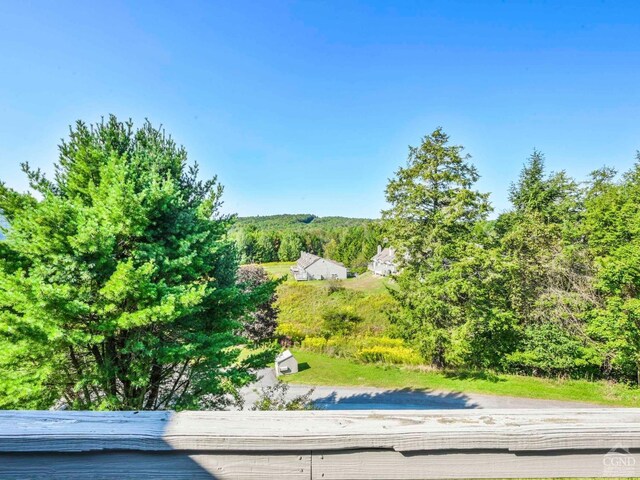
[299, 221]
[352, 241]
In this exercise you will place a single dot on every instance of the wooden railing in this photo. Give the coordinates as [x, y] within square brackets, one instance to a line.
[321, 445]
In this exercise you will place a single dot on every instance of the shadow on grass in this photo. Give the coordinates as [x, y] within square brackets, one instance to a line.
[473, 375]
[398, 399]
[302, 366]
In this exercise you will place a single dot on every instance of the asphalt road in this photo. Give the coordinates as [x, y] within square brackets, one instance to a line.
[361, 398]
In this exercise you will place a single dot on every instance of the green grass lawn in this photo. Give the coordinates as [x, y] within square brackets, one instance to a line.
[324, 370]
[278, 269]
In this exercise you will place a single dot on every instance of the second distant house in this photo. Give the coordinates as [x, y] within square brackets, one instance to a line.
[312, 267]
[384, 262]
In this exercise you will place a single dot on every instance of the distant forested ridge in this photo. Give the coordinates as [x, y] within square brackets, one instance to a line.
[352, 241]
[299, 220]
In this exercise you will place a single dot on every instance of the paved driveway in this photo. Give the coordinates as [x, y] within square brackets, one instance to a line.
[359, 398]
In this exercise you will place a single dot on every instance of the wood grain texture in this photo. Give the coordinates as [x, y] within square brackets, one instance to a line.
[403, 431]
[385, 464]
[138, 465]
[321, 445]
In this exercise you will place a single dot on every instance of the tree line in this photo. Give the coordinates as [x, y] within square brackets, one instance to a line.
[549, 287]
[350, 241]
[121, 285]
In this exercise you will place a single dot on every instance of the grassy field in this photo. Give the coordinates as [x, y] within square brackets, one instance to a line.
[278, 269]
[323, 370]
[303, 304]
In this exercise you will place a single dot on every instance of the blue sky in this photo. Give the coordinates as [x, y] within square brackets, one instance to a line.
[310, 106]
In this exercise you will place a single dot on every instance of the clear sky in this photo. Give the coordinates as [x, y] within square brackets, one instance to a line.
[309, 106]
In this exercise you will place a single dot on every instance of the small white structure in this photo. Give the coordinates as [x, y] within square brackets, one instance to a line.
[286, 363]
[384, 262]
[313, 267]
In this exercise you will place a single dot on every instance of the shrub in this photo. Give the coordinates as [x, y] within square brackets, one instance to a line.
[386, 354]
[339, 322]
[291, 331]
[334, 286]
[549, 350]
[277, 398]
[314, 344]
[364, 349]
[341, 347]
[365, 342]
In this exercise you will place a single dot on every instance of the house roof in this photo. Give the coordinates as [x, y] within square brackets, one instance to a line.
[385, 255]
[340, 264]
[307, 259]
[284, 355]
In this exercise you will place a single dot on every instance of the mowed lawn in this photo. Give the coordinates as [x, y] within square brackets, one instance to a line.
[278, 269]
[317, 369]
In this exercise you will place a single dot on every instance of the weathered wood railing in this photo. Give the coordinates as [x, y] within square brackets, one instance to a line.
[321, 444]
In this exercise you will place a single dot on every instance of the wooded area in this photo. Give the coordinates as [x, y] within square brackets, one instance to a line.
[550, 287]
[352, 241]
[121, 286]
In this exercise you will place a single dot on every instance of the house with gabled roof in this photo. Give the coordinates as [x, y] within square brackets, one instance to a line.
[384, 263]
[313, 267]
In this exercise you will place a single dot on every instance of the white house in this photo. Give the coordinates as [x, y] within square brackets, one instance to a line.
[312, 267]
[384, 262]
[286, 363]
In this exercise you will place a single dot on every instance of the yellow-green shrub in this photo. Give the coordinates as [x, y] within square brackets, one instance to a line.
[386, 354]
[340, 347]
[365, 342]
[290, 330]
[314, 344]
[364, 349]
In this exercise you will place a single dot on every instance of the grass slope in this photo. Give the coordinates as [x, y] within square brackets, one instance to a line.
[302, 304]
[324, 370]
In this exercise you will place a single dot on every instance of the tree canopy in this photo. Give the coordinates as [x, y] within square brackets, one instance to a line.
[118, 281]
[549, 287]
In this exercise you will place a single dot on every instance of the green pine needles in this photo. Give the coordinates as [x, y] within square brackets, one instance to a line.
[118, 282]
[550, 287]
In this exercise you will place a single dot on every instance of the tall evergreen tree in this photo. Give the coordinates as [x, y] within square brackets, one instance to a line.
[549, 272]
[117, 282]
[432, 221]
[534, 233]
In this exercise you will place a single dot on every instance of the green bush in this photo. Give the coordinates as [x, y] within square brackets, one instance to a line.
[339, 322]
[291, 331]
[334, 286]
[364, 349]
[314, 344]
[386, 354]
[548, 350]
